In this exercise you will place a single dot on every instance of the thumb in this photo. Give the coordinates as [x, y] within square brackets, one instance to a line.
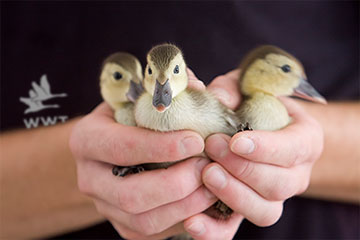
[225, 88]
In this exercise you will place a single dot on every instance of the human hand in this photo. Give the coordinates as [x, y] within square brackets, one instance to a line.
[255, 171]
[151, 204]
[201, 226]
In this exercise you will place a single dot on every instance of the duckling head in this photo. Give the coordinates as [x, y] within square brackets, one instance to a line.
[273, 71]
[121, 73]
[165, 75]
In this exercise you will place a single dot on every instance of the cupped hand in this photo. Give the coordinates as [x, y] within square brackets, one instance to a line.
[255, 171]
[201, 226]
[151, 204]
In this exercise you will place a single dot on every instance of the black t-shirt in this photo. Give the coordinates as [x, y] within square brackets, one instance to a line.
[60, 46]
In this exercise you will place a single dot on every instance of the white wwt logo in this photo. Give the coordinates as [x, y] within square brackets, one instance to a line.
[37, 95]
[44, 121]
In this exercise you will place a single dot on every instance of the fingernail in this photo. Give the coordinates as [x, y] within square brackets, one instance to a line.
[215, 177]
[243, 145]
[220, 147]
[222, 95]
[192, 145]
[196, 228]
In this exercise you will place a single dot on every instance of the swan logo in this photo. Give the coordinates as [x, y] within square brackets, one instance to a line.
[37, 95]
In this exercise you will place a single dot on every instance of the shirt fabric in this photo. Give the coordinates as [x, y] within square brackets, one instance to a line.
[61, 45]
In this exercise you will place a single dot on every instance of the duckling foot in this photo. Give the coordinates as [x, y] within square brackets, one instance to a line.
[219, 211]
[244, 127]
[124, 171]
[224, 211]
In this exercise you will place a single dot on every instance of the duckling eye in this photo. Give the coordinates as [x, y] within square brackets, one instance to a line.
[286, 68]
[176, 69]
[117, 75]
[149, 71]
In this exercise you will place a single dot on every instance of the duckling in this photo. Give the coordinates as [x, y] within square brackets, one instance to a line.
[121, 84]
[266, 73]
[168, 105]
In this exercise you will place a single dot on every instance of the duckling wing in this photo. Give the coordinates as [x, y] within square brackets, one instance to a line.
[264, 113]
[212, 115]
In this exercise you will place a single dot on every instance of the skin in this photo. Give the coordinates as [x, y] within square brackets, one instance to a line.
[336, 174]
[39, 195]
[164, 199]
[94, 150]
[268, 175]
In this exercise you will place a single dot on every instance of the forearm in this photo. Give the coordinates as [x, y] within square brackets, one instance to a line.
[39, 194]
[336, 174]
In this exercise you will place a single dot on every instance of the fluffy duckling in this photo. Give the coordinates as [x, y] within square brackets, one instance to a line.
[167, 104]
[266, 73]
[121, 84]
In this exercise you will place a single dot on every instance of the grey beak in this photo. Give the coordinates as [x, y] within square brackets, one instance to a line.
[308, 92]
[135, 90]
[162, 96]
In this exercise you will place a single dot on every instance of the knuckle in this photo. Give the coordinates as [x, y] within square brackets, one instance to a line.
[301, 155]
[128, 202]
[271, 216]
[144, 224]
[297, 152]
[246, 169]
[282, 192]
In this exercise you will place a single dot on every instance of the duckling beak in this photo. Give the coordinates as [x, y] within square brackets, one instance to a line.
[162, 96]
[308, 92]
[135, 90]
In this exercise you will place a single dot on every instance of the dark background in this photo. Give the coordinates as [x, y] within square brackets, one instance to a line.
[69, 40]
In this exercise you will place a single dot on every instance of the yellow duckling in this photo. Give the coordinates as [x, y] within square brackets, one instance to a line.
[120, 84]
[167, 104]
[266, 73]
